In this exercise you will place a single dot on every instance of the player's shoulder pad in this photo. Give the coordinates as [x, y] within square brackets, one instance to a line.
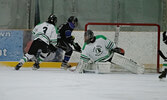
[101, 36]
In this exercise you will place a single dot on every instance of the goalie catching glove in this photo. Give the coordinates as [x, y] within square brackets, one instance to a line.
[119, 50]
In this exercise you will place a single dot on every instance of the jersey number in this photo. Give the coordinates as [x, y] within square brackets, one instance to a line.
[45, 29]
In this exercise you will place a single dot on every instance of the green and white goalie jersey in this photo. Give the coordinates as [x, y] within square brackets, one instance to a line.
[100, 50]
[46, 32]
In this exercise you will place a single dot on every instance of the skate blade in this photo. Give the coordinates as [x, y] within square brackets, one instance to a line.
[162, 79]
[72, 69]
[33, 68]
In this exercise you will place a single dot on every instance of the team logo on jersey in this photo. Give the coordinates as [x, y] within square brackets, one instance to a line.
[98, 50]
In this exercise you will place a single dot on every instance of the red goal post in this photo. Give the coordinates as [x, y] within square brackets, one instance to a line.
[135, 24]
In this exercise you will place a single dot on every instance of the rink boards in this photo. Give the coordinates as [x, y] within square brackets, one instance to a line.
[30, 64]
[58, 65]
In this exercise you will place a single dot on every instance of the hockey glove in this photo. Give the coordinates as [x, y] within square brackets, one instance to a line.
[52, 48]
[77, 47]
[71, 40]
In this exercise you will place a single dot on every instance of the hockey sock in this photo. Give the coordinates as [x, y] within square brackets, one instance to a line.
[42, 57]
[23, 60]
[66, 58]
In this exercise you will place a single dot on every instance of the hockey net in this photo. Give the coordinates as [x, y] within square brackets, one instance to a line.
[141, 42]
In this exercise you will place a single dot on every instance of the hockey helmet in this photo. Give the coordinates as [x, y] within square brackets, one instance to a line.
[52, 19]
[73, 20]
[88, 36]
[164, 37]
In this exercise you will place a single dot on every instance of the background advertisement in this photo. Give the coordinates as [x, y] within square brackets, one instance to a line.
[11, 45]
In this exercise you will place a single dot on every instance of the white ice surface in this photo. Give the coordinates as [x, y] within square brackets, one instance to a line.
[57, 84]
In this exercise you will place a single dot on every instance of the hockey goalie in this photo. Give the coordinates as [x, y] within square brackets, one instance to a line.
[100, 54]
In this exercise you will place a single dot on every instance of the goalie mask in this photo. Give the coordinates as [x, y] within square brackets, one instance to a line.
[164, 37]
[52, 19]
[89, 37]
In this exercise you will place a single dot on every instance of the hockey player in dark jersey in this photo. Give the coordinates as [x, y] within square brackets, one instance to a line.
[164, 72]
[66, 40]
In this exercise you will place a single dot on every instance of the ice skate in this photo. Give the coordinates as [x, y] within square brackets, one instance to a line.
[18, 66]
[65, 65]
[163, 74]
[35, 66]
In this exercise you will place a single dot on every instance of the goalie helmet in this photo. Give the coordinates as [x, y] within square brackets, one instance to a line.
[164, 37]
[52, 19]
[73, 20]
[89, 36]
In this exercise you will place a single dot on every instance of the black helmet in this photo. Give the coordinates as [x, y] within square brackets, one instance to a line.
[73, 20]
[52, 19]
[89, 36]
[164, 37]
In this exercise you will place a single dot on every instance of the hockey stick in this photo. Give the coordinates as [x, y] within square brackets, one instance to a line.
[77, 51]
[62, 47]
[161, 54]
[90, 71]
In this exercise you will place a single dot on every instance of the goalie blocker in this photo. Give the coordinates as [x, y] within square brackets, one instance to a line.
[107, 67]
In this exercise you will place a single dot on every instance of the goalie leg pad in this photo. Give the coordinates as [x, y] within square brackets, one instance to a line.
[103, 67]
[98, 67]
[80, 67]
[128, 64]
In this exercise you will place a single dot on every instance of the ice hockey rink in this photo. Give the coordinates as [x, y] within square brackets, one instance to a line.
[58, 84]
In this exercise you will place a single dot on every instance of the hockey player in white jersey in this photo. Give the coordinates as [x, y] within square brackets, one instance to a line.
[99, 49]
[96, 48]
[45, 35]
